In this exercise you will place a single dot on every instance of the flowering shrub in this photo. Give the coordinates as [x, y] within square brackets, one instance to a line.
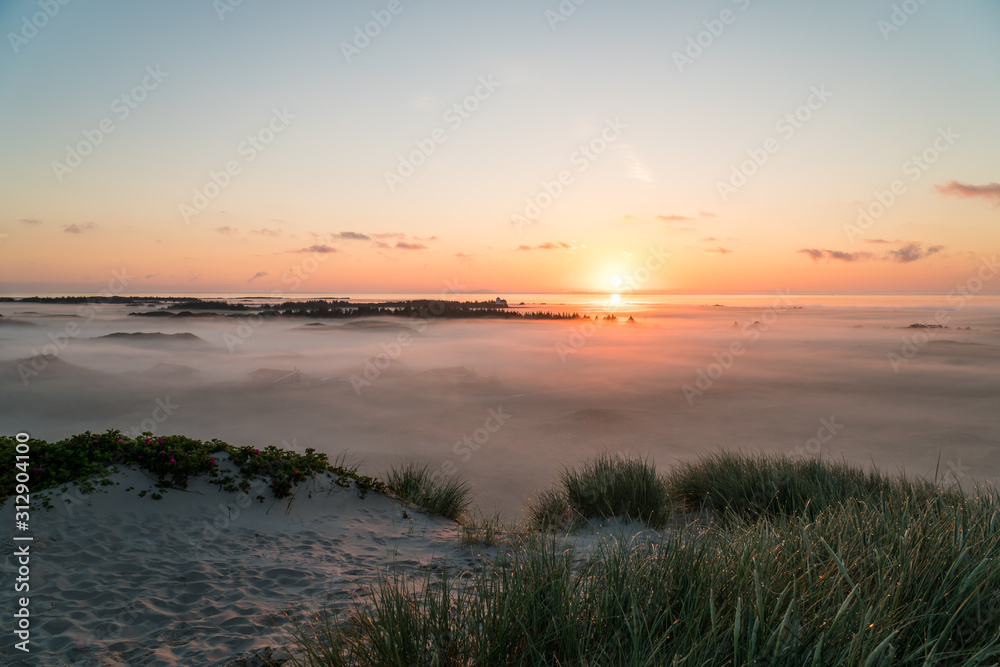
[88, 459]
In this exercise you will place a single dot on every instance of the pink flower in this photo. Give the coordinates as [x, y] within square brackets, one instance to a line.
[37, 469]
[140, 457]
[256, 451]
[159, 441]
[211, 460]
[172, 460]
[147, 441]
[120, 440]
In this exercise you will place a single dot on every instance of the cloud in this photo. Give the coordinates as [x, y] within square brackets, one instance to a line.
[79, 229]
[320, 248]
[879, 241]
[842, 256]
[628, 217]
[706, 214]
[462, 257]
[30, 221]
[838, 255]
[227, 230]
[911, 252]
[351, 236]
[548, 246]
[402, 245]
[259, 274]
[388, 235]
[672, 218]
[264, 231]
[989, 191]
[710, 239]
[426, 238]
[719, 251]
[381, 244]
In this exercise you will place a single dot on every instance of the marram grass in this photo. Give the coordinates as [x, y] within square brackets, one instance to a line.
[805, 563]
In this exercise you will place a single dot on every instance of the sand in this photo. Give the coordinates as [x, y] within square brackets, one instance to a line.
[122, 580]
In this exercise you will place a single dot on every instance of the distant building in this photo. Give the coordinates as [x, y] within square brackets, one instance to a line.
[501, 303]
[276, 377]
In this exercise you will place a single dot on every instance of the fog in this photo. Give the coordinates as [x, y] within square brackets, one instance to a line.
[852, 383]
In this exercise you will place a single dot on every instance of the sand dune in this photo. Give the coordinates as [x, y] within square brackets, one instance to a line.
[202, 576]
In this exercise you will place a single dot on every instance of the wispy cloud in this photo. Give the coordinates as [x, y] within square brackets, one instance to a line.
[265, 231]
[718, 251]
[839, 255]
[560, 245]
[351, 236]
[321, 248]
[30, 221]
[911, 252]
[706, 214]
[672, 218]
[403, 245]
[227, 230]
[988, 191]
[79, 229]
[880, 241]
[259, 274]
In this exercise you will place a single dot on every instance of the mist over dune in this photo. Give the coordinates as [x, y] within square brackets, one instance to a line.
[508, 403]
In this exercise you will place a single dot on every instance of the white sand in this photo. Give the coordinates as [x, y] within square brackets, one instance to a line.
[122, 580]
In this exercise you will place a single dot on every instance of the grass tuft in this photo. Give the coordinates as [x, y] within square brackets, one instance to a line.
[814, 563]
[417, 485]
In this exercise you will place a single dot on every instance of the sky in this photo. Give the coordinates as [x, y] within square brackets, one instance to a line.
[732, 146]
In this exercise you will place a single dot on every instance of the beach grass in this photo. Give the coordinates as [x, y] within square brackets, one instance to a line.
[449, 497]
[603, 487]
[803, 563]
